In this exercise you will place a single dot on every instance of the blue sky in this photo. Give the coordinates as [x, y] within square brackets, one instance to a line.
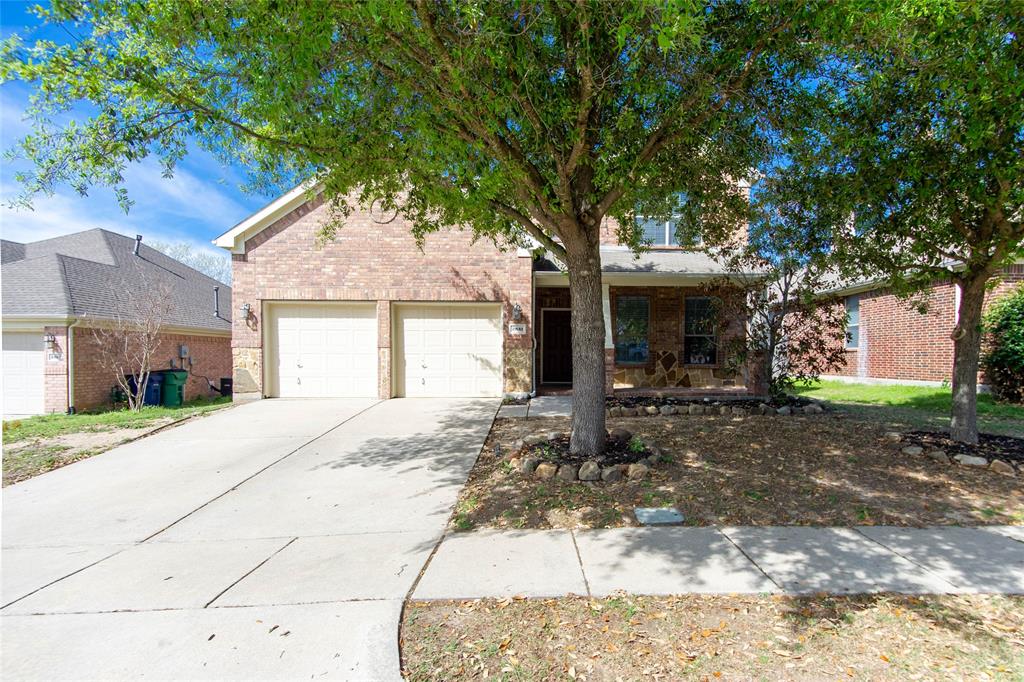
[201, 201]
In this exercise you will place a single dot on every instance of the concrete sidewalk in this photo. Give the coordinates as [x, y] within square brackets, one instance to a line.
[677, 560]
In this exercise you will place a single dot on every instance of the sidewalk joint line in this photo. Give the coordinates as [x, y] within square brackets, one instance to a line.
[260, 471]
[889, 549]
[579, 559]
[749, 558]
[63, 577]
[250, 572]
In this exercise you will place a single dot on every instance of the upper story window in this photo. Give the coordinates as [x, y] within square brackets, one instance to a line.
[632, 322]
[853, 321]
[658, 232]
[700, 331]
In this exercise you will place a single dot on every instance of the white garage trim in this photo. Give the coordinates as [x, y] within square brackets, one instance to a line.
[320, 349]
[448, 349]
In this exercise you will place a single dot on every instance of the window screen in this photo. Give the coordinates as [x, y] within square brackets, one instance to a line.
[700, 331]
[632, 320]
[853, 321]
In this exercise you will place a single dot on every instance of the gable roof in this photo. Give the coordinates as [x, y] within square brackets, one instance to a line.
[235, 238]
[86, 274]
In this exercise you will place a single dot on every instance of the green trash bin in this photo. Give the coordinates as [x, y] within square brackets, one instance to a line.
[174, 387]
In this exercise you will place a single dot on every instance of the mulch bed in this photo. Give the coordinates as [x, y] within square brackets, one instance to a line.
[827, 470]
[989, 446]
[617, 451]
[712, 637]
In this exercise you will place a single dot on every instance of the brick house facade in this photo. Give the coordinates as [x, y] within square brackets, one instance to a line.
[897, 342]
[279, 262]
[58, 291]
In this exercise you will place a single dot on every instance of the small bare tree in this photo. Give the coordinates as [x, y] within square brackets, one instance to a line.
[127, 342]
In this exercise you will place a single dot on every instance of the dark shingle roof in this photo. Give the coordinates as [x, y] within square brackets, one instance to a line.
[96, 274]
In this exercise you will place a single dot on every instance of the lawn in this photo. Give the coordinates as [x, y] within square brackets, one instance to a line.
[711, 637]
[826, 470]
[930, 403]
[35, 445]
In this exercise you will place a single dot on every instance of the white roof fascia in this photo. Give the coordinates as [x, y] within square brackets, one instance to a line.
[234, 239]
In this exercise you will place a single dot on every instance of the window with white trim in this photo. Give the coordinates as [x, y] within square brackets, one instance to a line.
[632, 322]
[853, 322]
[700, 331]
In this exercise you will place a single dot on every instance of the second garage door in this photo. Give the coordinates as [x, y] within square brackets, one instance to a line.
[448, 350]
[322, 350]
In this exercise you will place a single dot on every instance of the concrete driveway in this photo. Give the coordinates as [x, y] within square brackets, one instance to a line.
[274, 540]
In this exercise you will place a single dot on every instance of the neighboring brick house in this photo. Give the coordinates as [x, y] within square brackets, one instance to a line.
[890, 340]
[370, 314]
[57, 291]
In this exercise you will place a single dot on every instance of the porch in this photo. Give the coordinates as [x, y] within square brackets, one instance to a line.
[671, 338]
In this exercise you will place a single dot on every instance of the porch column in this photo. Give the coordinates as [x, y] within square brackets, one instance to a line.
[609, 342]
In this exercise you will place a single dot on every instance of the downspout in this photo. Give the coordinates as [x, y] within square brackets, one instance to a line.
[71, 366]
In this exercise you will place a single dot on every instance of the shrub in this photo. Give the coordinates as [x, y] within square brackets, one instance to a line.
[1003, 358]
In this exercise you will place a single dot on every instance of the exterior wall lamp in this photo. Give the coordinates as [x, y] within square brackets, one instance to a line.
[50, 341]
[246, 311]
[517, 312]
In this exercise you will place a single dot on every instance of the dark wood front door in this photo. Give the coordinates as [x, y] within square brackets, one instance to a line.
[556, 347]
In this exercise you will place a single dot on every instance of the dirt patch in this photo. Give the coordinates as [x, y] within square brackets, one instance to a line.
[825, 470]
[990, 446]
[28, 458]
[710, 637]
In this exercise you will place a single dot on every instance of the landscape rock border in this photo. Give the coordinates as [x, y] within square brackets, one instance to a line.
[938, 456]
[715, 409]
[590, 471]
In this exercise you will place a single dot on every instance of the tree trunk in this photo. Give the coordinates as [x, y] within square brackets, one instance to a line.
[588, 407]
[963, 423]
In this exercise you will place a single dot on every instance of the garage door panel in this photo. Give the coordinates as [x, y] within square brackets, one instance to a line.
[323, 350]
[23, 373]
[449, 350]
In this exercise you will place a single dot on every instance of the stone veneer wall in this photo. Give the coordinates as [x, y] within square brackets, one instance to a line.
[665, 367]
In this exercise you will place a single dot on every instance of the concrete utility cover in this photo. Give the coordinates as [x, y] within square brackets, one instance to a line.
[657, 516]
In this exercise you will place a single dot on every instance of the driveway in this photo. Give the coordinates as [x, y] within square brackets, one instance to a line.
[274, 540]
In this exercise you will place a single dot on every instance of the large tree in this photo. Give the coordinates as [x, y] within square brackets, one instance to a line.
[919, 133]
[518, 120]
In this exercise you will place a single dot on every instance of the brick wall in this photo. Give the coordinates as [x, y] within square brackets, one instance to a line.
[899, 342]
[55, 371]
[211, 357]
[374, 261]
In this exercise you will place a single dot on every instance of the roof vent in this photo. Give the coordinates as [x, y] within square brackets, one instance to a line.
[138, 243]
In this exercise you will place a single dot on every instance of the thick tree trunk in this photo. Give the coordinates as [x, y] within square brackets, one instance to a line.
[588, 407]
[963, 423]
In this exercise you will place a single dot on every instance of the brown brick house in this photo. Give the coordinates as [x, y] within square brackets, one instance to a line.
[892, 341]
[371, 314]
[56, 291]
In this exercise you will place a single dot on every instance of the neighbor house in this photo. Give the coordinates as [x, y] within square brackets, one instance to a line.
[371, 314]
[892, 340]
[56, 292]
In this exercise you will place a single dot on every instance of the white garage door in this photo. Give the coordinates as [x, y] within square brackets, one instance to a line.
[322, 350]
[449, 350]
[22, 373]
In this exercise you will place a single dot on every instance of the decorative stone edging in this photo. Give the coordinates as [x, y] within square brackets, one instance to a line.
[590, 471]
[695, 409]
[938, 456]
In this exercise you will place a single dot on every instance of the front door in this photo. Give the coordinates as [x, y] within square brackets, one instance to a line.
[556, 347]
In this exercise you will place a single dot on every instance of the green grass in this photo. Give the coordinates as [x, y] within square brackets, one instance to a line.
[925, 398]
[50, 425]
